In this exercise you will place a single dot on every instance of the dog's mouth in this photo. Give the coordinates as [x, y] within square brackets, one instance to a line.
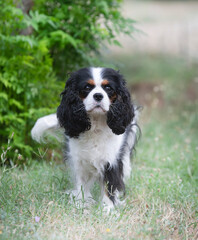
[98, 108]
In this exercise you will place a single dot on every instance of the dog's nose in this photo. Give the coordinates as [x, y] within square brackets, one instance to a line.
[98, 97]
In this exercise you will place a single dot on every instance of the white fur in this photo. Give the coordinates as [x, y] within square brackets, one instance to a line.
[91, 152]
[98, 107]
[96, 73]
[44, 126]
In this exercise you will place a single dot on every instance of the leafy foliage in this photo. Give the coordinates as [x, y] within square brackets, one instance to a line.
[75, 30]
[39, 48]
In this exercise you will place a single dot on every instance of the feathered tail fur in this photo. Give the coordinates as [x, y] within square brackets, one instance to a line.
[47, 125]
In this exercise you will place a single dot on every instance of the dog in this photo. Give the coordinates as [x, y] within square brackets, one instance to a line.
[100, 126]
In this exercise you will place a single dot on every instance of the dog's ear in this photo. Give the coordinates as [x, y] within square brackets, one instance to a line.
[121, 112]
[71, 112]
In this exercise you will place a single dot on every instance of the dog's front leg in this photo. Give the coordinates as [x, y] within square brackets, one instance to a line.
[83, 183]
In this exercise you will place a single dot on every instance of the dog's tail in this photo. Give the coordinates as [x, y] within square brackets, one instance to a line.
[47, 125]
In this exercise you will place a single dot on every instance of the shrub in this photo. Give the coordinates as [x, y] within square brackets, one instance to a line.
[62, 36]
[75, 30]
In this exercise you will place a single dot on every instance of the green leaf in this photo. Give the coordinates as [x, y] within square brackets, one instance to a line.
[4, 96]
[117, 43]
[16, 103]
[63, 38]
[5, 81]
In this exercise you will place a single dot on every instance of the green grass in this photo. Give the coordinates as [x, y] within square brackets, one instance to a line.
[162, 193]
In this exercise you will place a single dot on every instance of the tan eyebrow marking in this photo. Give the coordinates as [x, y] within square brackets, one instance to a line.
[105, 82]
[91, 82]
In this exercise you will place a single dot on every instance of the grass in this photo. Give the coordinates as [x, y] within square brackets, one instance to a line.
[162, 193]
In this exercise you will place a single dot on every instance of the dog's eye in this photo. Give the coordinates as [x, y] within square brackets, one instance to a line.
[107, 87]
[87, 87]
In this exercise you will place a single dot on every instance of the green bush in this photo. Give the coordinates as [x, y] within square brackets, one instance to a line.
[75, 30]
[62, 36]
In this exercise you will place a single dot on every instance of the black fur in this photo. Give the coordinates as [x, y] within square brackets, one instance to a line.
[113, 176]
[71, 113]
[121, 111]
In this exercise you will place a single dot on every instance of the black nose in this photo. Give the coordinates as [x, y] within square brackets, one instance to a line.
[98, 97]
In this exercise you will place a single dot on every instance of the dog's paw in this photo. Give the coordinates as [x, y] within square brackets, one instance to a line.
[73, 193]
[107, 209]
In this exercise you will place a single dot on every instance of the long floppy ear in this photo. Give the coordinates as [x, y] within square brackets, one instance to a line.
[121, 112]
[71, 112]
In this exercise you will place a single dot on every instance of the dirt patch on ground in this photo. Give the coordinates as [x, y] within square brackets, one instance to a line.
[192, 91]
[148, 94]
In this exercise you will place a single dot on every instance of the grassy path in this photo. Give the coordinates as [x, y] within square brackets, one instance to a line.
[162, 193]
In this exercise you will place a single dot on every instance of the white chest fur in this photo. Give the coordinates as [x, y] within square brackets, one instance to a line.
[96, 147]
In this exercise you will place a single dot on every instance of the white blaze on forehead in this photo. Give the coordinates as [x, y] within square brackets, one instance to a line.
[90, 103]
[97, 75]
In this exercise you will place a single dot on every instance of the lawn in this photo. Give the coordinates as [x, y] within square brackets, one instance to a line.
[162, 193]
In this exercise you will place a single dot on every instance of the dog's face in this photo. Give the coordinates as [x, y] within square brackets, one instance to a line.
[92, 91]
[96, 90]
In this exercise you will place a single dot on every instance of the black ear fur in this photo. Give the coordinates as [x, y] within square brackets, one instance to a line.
[71, 112]
[121, 112]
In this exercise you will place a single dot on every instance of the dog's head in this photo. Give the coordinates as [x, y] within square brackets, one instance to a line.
[95, 91]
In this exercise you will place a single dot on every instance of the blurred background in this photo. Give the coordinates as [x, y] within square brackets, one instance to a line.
[166, 27]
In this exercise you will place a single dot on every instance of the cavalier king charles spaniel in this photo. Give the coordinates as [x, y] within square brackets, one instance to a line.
[99, 121]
